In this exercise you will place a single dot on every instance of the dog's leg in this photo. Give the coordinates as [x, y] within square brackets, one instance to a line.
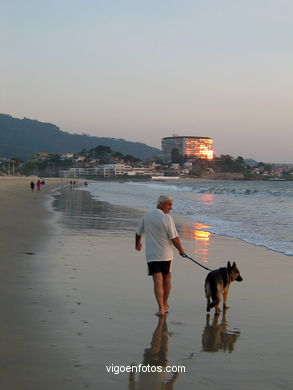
[219, 299]
[208, 305]
[217, 310]
[208, 296]
[225, 294]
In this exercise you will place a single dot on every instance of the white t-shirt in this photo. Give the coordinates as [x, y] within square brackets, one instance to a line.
[159, 229]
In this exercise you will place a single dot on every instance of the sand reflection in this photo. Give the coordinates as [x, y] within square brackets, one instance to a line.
[216, 337]
[80, 211]
[156, 355]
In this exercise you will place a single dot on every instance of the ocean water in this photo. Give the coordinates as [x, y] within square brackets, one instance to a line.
[260, 213]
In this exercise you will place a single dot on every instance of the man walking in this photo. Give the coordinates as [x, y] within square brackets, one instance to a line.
[160, 237]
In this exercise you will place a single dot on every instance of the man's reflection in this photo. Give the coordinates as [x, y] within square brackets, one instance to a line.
[216, 337]
[156, 355]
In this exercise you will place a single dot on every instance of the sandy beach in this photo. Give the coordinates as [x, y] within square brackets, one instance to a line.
[75, 298]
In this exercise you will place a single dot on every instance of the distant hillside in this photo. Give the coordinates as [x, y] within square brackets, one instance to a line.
[23, 138]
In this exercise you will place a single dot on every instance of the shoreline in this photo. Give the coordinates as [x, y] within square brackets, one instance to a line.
[243, 325]
[84, 301]
[27, 228]
[221, 177]
[205, 227]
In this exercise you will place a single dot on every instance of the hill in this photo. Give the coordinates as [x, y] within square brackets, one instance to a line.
[23, 138]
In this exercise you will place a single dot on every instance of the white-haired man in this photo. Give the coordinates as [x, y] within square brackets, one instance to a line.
[160, 237]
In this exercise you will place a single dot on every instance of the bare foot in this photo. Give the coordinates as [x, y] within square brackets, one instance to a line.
[166, 307]
[161, 312]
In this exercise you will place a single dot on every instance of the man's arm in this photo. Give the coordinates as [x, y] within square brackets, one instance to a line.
[176, 242]
[138, 244]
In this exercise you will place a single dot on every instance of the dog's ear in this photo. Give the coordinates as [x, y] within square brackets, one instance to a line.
[234, 264]
[228, 264]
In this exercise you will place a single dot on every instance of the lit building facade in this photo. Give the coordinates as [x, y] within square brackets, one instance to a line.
[190, 146]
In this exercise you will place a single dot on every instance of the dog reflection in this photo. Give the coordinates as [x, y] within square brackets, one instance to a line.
[156, 355]
[216, 337]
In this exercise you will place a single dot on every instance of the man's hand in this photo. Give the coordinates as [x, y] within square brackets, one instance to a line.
[138, 244]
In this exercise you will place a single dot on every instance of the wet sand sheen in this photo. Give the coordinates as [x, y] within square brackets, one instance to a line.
[89, 303]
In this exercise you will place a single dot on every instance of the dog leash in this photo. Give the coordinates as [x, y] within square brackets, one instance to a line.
[187, 257]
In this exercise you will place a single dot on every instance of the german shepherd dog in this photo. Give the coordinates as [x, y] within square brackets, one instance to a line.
[217, 285]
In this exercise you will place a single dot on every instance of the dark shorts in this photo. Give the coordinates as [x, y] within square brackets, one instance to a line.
[159, 266]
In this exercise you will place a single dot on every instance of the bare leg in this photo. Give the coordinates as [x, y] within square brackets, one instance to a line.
[159, 291]
[167, 288]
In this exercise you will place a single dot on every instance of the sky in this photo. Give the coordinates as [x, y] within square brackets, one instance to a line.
[142, 70]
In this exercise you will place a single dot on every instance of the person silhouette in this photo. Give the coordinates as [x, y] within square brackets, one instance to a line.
[156, 357]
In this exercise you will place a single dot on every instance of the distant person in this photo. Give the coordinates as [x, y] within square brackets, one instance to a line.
[39, 185]
[43, 183]
[85, 183]
[160, 237]
[32, 185]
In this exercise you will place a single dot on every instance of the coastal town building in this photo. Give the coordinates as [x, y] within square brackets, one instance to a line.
[190, 146]
[42, 156]
[106, 171]
[66, 156]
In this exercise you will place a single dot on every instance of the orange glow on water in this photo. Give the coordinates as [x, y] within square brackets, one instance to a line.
[199, 225]
[207, 200]
[200, 239]
[200, 235]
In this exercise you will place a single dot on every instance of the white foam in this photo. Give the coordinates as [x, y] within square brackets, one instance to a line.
[255, 212]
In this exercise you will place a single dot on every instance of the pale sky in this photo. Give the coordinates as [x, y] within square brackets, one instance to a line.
[146, 69]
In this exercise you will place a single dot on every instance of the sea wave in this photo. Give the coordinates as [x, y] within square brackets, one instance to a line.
[214, 189]
[244, 233]
[256, 212]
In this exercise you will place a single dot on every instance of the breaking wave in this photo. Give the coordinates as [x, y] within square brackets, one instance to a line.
[260, 213]
[214, 189]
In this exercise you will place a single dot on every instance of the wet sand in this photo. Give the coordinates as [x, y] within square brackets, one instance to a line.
[84, 301]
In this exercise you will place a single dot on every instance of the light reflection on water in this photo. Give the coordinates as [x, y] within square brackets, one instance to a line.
[256, 212]
[200, 239]
[80, 211]
[206, 199]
